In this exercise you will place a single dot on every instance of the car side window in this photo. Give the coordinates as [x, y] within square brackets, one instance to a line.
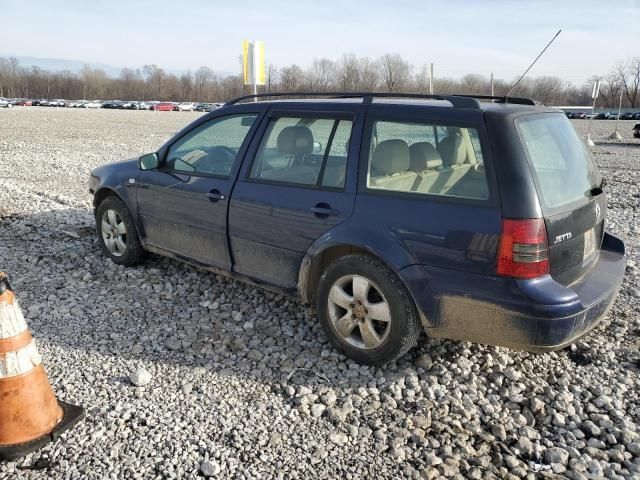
[306, 151]
[211, 148]
[425, 158]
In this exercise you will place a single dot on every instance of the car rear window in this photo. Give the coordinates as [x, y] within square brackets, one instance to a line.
[564, 170]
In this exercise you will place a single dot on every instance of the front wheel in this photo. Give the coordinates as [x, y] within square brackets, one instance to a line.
[117, 233]
[366, 310]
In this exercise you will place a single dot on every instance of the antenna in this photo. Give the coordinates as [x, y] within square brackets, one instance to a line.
[532, 64]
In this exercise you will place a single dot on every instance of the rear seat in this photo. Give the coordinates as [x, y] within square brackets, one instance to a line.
[427, 163]
[390, 166]
[453, 151]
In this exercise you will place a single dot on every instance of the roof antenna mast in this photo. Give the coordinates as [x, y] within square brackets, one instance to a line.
[532, 64]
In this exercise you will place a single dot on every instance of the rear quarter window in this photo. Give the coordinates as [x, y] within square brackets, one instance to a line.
[426, 159]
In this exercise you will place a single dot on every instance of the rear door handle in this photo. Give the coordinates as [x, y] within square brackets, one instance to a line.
[322, 209]
[215, 195]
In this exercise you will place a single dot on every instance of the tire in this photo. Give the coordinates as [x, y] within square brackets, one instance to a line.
[121, 243]
[365, 337]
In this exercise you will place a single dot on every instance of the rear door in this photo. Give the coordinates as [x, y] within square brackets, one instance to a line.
[296, 186]
[183, 204]
[568, 185]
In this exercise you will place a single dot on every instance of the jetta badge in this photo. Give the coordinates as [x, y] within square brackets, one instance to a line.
[597, 212]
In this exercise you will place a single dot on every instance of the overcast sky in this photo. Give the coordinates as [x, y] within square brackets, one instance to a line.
[458, 36]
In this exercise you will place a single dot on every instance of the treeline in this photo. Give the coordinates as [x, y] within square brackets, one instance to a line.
[390, 73]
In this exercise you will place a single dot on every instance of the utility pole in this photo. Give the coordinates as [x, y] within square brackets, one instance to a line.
[492, 91]
[431, 78]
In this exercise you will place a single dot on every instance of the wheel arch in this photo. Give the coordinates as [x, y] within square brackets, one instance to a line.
[101, 194]
[105, 192]
[317, 259]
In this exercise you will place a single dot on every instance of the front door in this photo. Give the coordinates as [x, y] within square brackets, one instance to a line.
[183, 204]
[296, 189]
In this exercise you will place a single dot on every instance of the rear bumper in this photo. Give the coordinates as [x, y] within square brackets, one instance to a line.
[535, 315]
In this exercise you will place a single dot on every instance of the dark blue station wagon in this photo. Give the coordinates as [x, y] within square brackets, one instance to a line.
[475, 220]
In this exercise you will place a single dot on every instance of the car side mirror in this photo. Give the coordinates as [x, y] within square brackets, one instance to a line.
[149, 161]
[317, 147]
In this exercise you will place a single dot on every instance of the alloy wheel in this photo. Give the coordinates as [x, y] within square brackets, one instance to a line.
[114, 233]
[359, 312]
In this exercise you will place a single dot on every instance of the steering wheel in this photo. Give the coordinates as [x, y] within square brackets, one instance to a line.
[219, 159]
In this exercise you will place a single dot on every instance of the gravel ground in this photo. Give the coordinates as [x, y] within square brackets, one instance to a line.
[244, 384]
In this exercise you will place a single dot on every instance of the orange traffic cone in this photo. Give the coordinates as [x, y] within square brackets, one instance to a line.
[30, 415]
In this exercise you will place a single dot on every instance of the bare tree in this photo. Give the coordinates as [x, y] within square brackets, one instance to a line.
[612, 88]
[155, 76]
[203, 78]
[549, 90]
[629, 74]
[348, 74]
[272, 76]
[369, 75]
[291, 78]
[396, 72]
[474, 84]
[186, 86]
[321, 74]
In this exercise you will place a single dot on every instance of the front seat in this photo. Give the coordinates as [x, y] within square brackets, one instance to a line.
[294, 142]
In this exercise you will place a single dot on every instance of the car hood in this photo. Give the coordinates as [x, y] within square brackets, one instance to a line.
[120, 166]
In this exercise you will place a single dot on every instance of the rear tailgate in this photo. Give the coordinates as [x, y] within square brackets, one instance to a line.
[575, 238]
[568, 185]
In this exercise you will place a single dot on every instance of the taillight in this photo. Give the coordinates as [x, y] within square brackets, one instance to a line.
[523, 250]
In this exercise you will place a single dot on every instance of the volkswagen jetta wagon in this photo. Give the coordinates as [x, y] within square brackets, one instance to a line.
[473, 220]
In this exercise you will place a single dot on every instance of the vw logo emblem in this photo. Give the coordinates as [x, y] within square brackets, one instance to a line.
[597, 212]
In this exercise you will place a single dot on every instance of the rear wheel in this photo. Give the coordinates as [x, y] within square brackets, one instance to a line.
[117, 233]
[366, 311]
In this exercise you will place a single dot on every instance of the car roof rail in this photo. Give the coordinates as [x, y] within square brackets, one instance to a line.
[458, 101]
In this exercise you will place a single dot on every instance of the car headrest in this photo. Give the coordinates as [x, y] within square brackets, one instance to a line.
[452, 150]
[424, 156]
[295, 140]
[391, 156]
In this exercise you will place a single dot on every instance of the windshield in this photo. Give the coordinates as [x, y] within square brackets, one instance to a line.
[564, 169]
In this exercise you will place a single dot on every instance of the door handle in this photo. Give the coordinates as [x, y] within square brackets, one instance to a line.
[324, 210]
[215, 195]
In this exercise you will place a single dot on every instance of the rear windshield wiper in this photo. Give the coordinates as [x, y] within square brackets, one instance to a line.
[595, 191]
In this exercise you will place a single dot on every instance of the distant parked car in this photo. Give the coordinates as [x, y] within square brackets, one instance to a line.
[162, 107]
[184, 107]
[570, 115]
[112, 104]
[58, 102]
[636, 130]
[92, 104]
[580, 115]
[627, 116]
[23, 102]
[600, 116]
[4, 103]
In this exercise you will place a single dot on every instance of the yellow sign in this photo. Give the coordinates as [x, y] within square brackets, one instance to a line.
[253, 63]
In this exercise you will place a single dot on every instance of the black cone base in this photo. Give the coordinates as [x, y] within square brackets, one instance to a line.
[72, 414]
